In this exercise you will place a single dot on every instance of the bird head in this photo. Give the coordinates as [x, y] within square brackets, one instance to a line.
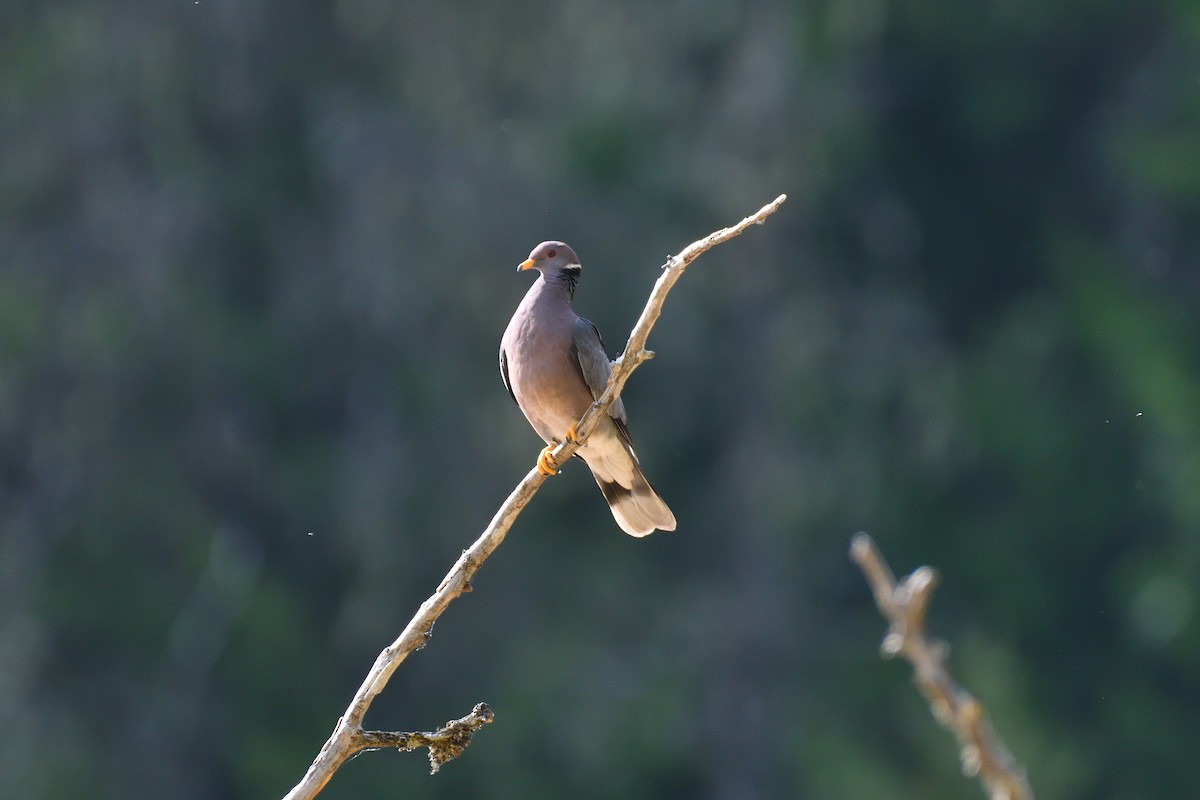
[549, 258]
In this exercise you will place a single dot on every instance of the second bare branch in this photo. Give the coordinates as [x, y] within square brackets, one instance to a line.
[904, 605]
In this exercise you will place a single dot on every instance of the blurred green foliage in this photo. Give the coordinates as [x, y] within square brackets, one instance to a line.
[256, 262]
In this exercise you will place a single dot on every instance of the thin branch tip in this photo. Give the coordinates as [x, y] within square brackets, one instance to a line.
[923, 579]
[860, 545]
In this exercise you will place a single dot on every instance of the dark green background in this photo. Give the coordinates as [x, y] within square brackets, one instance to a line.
[256, 261]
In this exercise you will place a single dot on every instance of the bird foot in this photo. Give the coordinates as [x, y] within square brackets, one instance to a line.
[546, 463]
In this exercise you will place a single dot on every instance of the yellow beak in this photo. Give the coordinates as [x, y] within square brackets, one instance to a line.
[526, 264]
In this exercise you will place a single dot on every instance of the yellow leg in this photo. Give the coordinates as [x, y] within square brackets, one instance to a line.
[570, 435]
[546, 463]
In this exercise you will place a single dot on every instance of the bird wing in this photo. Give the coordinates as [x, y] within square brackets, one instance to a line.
[504, 374]
[589, 355]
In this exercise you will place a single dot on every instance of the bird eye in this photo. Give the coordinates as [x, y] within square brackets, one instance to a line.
[552, 254]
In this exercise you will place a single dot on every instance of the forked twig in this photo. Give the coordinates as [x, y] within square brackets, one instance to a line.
[904, 606]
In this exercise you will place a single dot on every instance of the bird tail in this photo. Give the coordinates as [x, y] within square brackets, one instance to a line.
[638, 510]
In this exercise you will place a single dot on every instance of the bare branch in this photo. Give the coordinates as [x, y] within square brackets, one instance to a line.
[904, 606]
[341, 745]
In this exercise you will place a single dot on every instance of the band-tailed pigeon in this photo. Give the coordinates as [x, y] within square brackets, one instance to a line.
[554, 365]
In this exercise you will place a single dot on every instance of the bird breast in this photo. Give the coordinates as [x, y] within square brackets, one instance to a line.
[543, 376]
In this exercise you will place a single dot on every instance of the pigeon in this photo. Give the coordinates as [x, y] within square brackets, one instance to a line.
[554, 365]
